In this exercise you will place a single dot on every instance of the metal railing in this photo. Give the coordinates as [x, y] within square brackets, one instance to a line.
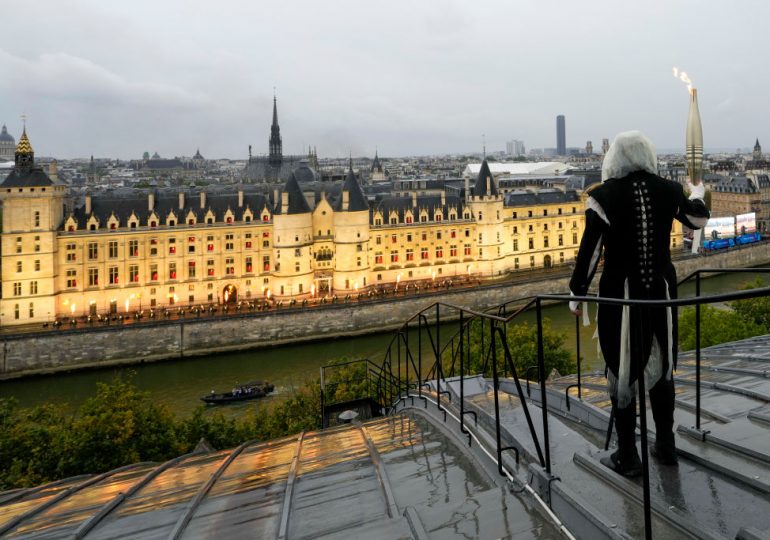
[493, 352]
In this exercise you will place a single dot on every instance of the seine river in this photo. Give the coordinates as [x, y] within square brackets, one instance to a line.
[180, 383]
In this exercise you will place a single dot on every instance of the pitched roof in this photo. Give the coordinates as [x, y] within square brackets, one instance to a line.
[485, 178]
[297, 202]
[27, 178]
[356, 200]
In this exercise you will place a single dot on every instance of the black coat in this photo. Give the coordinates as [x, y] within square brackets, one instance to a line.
[630, 220]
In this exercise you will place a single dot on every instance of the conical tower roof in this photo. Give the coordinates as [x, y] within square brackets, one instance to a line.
[297, 202]
[24, 147]
[356, 198]
[485, 183]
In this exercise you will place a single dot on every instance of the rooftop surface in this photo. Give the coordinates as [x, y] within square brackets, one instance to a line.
[413, 474]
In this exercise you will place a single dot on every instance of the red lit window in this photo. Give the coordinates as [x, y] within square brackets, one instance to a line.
[173, 274]
[229, 219]
[394, 256]
[210, 247]
[211, 272]
[191, 222]
[438, 217]
[248, 244]
[153, 224]
[265, 235]
[409, 255]
[113, 225]
[191, 264]
[467, 250]
[265, 218]
[155, 276]
[71, 228]
[230, 270]
[378, 258]
[191, 239]
[424, 253]
[154, 241]
[439, 252]
[172, 249]
[408, 219]
[248, 267]
[136, 277]
[393, 238]
[453, 251]
[453, 234]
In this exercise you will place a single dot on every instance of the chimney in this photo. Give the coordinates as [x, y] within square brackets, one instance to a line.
[467, 188]
[285, 202]
[150, 201]
[203, 200]
[275, 197]
[414, 199]
[443, 199]
[53, 170]
[88, 205]
[345, 201]
[240, 198]
[489, 187]
[181, 200]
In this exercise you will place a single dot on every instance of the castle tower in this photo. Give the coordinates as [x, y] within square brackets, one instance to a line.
[293, 232]
[351, 237]
[276, 146]
[33, 210]
[589, 148]
[486, 204]
[756, 156]
[605, 145]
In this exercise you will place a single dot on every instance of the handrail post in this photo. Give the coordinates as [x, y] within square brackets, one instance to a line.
[398, 369]
[643, 429]
[419, 355]
[697, 352]
[577, 350]
[543, 398]
[462, 389]
[436, 365]
[323, 416]
[496, 384]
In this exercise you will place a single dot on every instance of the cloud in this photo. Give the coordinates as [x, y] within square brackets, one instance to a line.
[61, 76]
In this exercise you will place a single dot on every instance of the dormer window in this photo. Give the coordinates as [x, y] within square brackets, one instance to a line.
[113, 226]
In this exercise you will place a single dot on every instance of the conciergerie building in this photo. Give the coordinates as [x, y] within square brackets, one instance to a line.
[192, 248]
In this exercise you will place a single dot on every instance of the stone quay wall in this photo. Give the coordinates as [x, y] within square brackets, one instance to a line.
[70, 349]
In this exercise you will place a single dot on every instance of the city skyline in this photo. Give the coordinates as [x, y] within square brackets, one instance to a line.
[174, 77]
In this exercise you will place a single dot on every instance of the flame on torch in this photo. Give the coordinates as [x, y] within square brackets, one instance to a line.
[683, 76]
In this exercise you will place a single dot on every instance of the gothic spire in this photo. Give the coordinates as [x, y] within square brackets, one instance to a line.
[276, 146]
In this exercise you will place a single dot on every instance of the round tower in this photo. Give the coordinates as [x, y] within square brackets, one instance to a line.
[486, 204]
[351, 238]
[293, 232]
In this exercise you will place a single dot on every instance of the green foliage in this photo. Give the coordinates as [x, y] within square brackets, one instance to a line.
[120, 425]
[756, 310]
[522, 345]
[716, 326]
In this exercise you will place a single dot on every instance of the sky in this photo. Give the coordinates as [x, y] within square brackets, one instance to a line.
[116, 78]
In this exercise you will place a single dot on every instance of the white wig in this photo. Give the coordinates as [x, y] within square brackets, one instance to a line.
[631, 151]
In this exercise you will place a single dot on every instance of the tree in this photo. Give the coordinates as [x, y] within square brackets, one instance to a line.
[756, 310]
[716, 326]
[522, 345]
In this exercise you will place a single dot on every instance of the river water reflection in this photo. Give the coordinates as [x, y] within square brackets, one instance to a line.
[180, 383]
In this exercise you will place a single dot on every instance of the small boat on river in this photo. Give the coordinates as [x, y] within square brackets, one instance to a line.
[241, 392]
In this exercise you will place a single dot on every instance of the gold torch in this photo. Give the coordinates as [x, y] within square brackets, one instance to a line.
[693, 145]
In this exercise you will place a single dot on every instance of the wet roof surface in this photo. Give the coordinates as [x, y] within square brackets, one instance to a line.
[322, 484]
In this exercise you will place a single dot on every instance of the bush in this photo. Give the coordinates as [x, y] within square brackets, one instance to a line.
[522, 345]
[716, 326]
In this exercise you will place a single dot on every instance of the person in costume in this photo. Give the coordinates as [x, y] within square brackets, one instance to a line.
[628, 221]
